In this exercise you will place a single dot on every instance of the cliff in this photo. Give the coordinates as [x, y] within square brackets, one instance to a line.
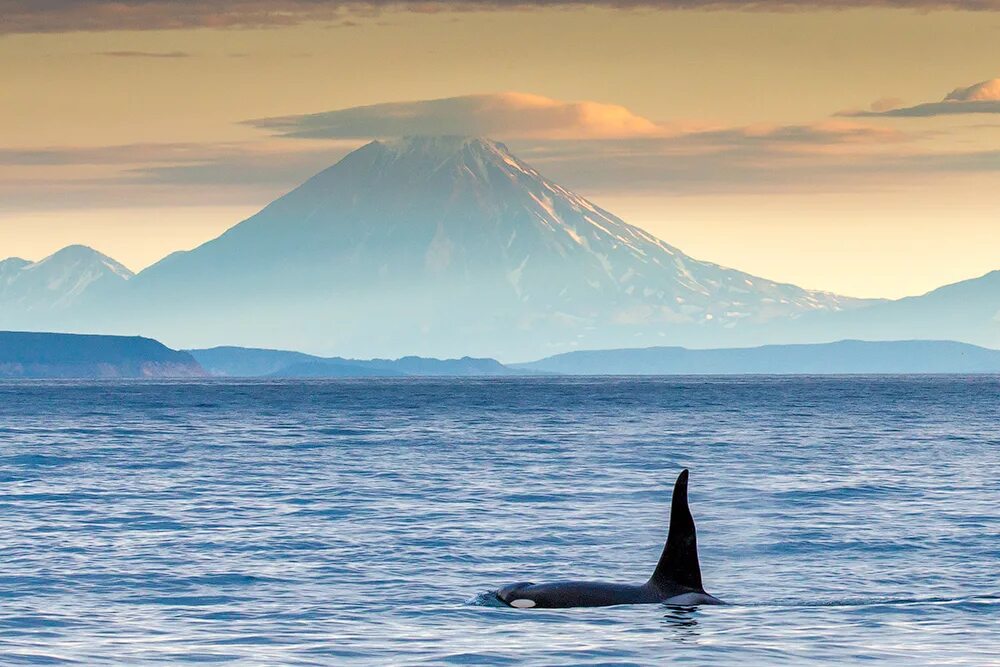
[55, 355]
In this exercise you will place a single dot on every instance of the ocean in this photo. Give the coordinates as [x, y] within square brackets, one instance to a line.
[844, 519]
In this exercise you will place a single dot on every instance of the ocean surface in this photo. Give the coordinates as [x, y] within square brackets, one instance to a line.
[845, 520]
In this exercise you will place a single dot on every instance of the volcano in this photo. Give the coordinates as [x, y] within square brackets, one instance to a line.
[441, 246]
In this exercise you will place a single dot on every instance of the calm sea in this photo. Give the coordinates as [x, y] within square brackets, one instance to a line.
[845, 519]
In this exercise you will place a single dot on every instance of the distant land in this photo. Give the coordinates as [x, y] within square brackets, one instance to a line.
[842, 357]
[55, 355]
[254, 362]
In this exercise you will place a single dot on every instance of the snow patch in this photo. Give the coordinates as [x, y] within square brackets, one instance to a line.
[514, 276]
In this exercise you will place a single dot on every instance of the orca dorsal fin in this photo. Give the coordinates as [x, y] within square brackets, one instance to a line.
[678, 564]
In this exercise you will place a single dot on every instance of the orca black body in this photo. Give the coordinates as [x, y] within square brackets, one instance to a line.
[676, 579]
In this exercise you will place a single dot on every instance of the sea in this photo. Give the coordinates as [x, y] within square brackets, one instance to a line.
[845, 520]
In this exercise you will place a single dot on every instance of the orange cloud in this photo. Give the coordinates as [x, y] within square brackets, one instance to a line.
[593, 146]
[982, 97]
[502, 115]
[984, 91]
[523, 116]
[886, 103]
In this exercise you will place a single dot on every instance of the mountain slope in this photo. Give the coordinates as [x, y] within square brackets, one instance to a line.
[967, 311]
[438, 245]
[50, 288]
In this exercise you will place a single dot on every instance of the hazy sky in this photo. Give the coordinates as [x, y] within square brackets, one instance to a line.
[855, 150]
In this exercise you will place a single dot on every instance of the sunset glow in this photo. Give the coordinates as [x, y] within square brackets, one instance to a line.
[853, 151]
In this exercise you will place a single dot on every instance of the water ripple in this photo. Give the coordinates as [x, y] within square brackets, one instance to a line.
[336, 522]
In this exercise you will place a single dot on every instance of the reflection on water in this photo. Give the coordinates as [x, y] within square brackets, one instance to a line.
[683, 622]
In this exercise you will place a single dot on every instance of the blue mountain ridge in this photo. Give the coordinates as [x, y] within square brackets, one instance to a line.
[57, 355]
[841, 357]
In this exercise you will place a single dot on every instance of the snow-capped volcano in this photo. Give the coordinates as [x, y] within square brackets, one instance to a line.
[440, 246]
[57, 283]
[446, 245]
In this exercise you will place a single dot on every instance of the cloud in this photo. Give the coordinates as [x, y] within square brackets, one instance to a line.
[601, 148]
[39, 16]
[121, 154]
[697, 160]
[984, 91]
[164, 174]
[514, 115]
[982, 97]
[710, 159]
[785, 159]
[886, 103]
[502, 115]
[143, 54]
[758, 159]
[597, 149]
[823, 133]
[729, 163]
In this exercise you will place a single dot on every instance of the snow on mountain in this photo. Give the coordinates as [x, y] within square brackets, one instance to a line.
[441, 246]
[10, 268]
[59, 282]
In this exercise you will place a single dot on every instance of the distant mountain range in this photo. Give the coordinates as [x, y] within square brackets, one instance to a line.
[59, 288]
[842, 357]
[445, 246]
[967, 311]
[54, 355]
[48, 355]
[250, 362]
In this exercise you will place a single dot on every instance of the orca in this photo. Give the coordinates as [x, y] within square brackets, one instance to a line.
[675, 581]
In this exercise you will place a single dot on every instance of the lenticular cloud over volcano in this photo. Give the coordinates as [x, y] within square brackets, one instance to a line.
[507, 115]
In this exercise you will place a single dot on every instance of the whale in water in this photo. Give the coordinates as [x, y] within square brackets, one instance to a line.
[676, 579]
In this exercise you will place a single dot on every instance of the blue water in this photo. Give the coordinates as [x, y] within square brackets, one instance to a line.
[845, 519]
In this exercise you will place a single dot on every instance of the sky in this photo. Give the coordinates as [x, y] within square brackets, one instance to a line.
[847, 146]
